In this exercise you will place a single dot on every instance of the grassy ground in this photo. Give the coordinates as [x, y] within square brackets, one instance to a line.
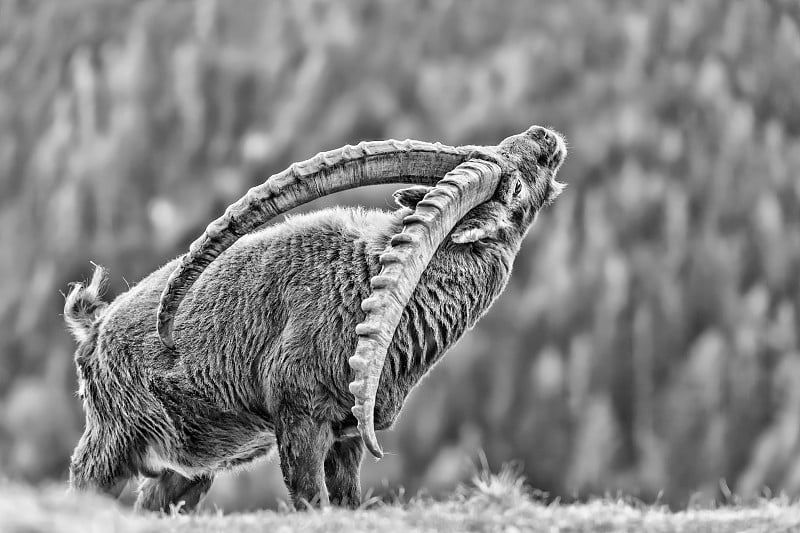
[494, 503]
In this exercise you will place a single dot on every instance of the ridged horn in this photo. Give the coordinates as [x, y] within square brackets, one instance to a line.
[403, 263]
[368, 163]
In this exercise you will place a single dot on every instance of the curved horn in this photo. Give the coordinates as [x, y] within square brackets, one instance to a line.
[404, 261]
[368, 163]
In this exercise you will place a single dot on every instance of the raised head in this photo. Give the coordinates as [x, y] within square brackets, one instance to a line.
[533, 158]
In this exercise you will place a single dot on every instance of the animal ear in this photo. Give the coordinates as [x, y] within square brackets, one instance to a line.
[484, 222]
[411, 196]
[553, 192]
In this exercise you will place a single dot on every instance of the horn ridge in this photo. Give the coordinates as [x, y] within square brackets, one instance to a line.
[403, 263]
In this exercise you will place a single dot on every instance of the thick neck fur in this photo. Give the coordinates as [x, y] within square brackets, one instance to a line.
[456, 289]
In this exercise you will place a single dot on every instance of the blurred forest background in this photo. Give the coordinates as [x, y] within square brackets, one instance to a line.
[647, 340]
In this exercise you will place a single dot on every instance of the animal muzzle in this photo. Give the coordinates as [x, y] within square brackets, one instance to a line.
[553, 147]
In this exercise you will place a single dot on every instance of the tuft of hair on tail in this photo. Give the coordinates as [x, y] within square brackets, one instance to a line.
[84, 304]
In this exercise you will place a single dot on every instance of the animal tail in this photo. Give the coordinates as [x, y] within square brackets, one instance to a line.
[84, 305]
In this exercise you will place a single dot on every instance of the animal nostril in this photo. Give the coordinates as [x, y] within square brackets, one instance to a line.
[537, 132]
[545, 136]
[549, 145]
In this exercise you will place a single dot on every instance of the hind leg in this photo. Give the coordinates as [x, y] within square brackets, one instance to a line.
[341, 472]
[99, 464]
[172, 489]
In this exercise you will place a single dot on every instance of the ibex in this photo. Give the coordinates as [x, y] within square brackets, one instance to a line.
[283, 334]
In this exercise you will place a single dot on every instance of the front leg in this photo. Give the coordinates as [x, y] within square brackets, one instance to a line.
[303, 444]
[341, 472]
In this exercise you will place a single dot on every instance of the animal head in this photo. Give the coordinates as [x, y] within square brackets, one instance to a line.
[538, 154]
[535, 157]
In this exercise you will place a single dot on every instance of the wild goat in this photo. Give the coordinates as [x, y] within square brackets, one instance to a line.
[281, 340]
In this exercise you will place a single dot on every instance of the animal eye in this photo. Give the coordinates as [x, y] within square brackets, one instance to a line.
[517, 188]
